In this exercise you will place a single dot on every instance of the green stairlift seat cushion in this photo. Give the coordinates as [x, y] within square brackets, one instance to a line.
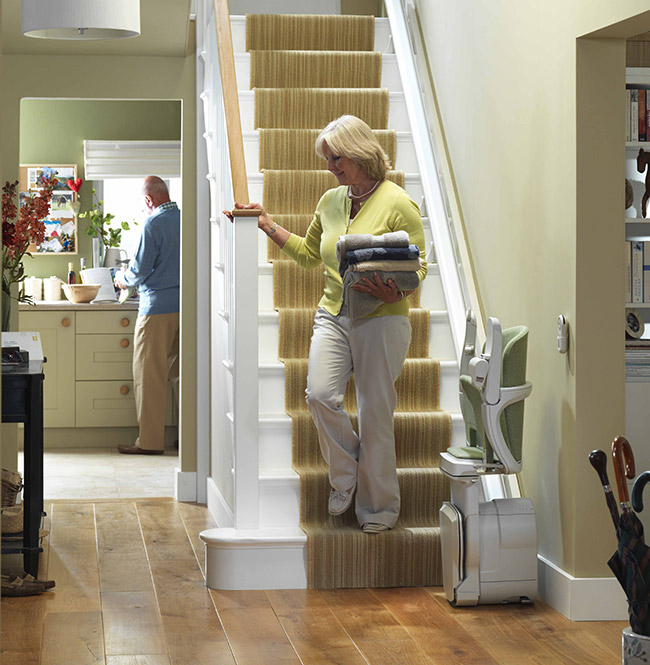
[466, 452]
[513, 373]
[471, 408]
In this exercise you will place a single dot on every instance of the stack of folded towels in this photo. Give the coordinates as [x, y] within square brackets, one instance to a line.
[390, 255]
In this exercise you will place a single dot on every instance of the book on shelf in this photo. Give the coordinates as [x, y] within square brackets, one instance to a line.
[637, 114]
[646, 271]
[637, 271]
[628, 104]
[642, 115]
[628, 272]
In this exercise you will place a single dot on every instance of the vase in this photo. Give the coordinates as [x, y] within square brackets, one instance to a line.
[6, 311]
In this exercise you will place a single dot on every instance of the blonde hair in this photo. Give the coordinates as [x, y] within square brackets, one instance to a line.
[349, 136]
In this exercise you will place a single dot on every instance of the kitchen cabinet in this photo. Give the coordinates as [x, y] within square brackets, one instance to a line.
[88, 373]
[57, 337]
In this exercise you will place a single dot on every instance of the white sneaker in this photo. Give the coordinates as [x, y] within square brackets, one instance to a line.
[374, 527]
[339, 502]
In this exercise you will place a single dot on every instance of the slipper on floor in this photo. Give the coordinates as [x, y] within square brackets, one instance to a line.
[12, 585]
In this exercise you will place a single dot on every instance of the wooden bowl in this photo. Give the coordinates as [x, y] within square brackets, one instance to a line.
[78, 293]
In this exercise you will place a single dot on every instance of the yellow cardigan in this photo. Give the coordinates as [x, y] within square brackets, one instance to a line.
[390, 208]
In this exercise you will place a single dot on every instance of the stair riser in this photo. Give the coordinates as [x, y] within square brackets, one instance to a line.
[405, 159]
[272, 393]
[432, 296]
[389, 72]
[279, 502]
[238, 26]
[440, 342]
[397, 114]
[275, 442]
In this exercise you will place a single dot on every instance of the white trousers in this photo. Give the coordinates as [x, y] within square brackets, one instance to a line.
[375, 350]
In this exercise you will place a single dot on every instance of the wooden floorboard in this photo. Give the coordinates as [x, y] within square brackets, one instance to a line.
[376, 632]
[73, 637]
[312, 626]
[254, 632]
[437, 631]
[130, 590]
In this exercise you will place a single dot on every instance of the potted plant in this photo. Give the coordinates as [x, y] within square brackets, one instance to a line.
[21, 227]
[100, 224]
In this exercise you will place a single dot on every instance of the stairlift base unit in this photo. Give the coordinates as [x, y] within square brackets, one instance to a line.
[507, 542]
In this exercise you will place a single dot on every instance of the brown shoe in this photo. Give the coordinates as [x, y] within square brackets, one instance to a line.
[134, 450]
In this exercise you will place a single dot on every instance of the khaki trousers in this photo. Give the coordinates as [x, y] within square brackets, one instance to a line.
[155, 361]
[375, 350]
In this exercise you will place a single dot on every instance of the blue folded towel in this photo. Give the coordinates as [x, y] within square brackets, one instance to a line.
[378, 254]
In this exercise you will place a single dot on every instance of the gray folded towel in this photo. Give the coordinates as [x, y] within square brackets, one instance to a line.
[361, 240]
[378, 254]
[412, 265]
[361, 304]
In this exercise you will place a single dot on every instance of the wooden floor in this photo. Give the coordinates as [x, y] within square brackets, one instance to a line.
[130, 591]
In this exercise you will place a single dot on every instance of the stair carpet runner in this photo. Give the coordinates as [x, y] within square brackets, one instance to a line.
[343, 77]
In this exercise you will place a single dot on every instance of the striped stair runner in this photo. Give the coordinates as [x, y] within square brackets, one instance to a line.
[343, 77]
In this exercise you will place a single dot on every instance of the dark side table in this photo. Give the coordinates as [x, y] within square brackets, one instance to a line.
[22, 402]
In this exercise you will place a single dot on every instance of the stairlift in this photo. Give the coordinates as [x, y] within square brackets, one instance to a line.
[489, 547]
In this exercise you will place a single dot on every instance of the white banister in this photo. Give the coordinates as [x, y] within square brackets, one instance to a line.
[243, 326]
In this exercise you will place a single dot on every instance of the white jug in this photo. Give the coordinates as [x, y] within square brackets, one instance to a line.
[34, 288]
[52, 288]
[113, 257]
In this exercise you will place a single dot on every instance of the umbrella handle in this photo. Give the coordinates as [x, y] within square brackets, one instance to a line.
[598, 459]
[637, 490]
[623, 466]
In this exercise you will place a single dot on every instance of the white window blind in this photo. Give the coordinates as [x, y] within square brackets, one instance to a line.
[131, 159]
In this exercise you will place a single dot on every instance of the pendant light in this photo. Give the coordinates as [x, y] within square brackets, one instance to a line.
[81, 19]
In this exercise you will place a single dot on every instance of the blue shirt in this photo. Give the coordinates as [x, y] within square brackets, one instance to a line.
[155, 268]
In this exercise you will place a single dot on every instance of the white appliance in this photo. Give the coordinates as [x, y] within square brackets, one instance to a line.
[489, 545]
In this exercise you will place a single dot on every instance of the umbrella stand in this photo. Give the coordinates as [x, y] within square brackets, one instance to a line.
[631, 561]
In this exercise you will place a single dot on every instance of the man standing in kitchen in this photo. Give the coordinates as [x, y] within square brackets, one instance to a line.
[155, 271]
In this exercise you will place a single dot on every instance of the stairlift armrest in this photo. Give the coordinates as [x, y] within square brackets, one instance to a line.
[492, 423]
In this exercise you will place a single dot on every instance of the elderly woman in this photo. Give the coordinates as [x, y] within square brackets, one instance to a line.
[373, 347]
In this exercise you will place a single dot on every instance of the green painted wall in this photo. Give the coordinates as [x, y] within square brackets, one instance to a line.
[52, 131]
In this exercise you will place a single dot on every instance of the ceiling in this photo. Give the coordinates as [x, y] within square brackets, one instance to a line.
[164, 25]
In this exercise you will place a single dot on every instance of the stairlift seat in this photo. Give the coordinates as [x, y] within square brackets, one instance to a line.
[489, 548]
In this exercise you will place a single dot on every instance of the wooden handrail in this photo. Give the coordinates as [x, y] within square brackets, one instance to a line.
[231, 101]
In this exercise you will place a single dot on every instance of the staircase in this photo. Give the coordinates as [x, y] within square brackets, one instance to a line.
[275, 555]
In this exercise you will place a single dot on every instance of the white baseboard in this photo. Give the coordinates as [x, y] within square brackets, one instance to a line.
[217, 506]
[581, 598]
[185, 485]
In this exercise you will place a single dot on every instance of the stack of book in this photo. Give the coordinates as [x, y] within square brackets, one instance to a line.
[637, 358]
[637, 105]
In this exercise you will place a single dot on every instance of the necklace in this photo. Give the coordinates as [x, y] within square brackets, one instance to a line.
[370, 191]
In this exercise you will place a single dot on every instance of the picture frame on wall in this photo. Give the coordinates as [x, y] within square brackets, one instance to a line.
[61, 224]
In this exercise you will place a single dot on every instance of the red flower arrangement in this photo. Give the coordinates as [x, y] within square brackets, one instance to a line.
[20, 228]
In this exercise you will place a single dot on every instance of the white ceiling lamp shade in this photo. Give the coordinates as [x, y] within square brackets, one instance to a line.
[81, 19]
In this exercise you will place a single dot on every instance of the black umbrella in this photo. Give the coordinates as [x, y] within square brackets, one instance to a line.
[631, 561]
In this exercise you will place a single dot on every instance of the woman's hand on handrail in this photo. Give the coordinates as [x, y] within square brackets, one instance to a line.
[264, 222]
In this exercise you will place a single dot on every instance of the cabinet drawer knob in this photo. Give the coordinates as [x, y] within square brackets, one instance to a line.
[66, 322]
[124, 343]
[124, 390]
[125, 322]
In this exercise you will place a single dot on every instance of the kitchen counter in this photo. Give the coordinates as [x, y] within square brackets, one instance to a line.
[59, 305]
